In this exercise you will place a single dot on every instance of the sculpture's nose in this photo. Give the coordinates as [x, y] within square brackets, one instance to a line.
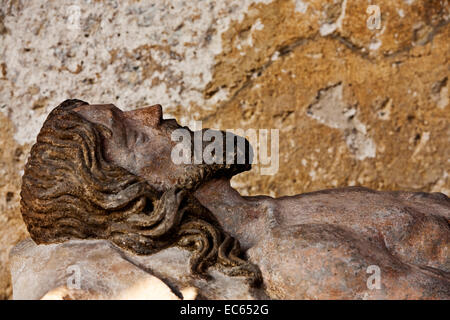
[149, 116]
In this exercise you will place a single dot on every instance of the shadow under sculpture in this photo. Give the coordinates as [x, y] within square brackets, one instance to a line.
[97, 172]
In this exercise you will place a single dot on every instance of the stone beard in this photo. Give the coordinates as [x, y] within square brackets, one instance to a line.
[71, 191]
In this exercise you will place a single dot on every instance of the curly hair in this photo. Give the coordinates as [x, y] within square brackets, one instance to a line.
[69, 191]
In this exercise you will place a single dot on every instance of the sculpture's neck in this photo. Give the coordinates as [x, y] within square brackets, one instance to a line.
[238, 216]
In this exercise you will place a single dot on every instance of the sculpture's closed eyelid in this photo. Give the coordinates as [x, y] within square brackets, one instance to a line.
[141, 138]
[133, 138]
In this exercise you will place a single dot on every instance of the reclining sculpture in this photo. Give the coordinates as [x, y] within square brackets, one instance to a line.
[97, 172]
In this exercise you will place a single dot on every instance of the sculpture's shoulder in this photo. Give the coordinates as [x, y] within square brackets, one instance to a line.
[412, 225]
[320, 245]
[326, 261]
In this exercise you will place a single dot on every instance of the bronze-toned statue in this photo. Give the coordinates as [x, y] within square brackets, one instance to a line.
[97, 172]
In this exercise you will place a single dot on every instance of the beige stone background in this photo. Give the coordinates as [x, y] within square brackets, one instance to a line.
[353, 106]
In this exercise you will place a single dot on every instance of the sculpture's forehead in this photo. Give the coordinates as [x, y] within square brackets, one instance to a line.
[101, 113]
[149, 116]
[106, 108]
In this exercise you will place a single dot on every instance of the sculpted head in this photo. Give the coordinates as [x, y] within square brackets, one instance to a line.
[96, 172]
[140, 141]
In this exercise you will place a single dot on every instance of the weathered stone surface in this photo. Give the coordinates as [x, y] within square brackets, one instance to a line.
[107, 272]
[341, 233]
[242, 64]
[322, 245]
[354, 107]
[12, 228]
[327, 244]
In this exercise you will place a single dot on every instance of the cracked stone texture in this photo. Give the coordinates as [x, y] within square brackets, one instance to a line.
[12, 228]
[354, 106]
[105, 271]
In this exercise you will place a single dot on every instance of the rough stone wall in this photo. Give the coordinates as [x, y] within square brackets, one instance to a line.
[12, 228]
[354, 106]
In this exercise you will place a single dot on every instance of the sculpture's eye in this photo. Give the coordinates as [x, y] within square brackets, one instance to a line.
[141, 138]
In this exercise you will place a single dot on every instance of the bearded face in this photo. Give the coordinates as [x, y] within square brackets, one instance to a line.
[96, 172]
[141, 142]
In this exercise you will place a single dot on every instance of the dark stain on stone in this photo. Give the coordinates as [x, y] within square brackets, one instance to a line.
[9, 196]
